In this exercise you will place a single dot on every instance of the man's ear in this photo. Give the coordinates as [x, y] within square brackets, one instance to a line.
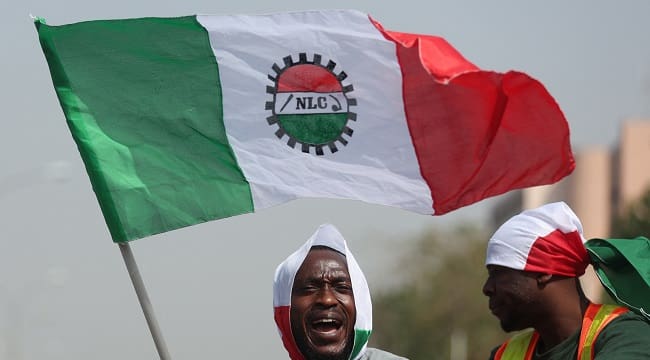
[543, 279]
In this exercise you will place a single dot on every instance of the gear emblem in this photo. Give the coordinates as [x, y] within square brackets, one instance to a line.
[310, 105]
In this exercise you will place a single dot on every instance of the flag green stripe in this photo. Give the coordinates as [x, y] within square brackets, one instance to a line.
[143, 102]
[361, 337]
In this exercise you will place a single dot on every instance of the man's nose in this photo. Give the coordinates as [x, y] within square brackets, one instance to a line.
[327, 297]
[488, 287]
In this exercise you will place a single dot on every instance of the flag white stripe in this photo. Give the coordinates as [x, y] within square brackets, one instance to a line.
[378, 165]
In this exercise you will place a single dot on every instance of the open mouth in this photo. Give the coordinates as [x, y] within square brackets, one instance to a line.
[326, 325]
[494, 307]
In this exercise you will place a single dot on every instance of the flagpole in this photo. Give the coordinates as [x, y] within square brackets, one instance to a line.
[141, 292]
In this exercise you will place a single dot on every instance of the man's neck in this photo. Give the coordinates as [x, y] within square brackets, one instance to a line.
[563, 321]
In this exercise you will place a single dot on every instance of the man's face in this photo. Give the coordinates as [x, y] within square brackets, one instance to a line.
[322, 306]
[513, 296]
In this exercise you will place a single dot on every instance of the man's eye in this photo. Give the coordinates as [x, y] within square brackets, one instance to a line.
[309, 288]
[493, 272]
[344, 287]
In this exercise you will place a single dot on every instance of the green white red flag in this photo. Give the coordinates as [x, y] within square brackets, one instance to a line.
[189, 119]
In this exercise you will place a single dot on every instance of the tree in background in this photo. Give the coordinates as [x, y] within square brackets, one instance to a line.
[438, 310]
[635, 220]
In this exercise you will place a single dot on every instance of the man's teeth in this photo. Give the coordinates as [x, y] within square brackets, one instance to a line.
[327, 322]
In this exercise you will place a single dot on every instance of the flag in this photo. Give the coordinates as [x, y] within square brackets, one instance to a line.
[189, 119]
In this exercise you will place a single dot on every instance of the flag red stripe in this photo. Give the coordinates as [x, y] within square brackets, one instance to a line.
[477, 133]
[281, 315]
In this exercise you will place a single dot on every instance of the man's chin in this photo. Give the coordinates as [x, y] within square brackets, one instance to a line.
[509, 326]
[329, 352]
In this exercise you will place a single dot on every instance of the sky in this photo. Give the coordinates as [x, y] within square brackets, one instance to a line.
[64, 289]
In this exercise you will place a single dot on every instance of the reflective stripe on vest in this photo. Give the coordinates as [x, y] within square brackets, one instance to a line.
[597, 316]
[520, 346]
[595, 319]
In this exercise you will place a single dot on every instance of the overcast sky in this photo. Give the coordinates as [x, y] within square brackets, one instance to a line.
[64, 290]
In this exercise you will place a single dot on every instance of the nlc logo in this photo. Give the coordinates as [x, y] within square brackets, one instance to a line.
[310, 104]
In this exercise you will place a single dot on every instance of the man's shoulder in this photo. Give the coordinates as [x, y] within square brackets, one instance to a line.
[628, 320]
[376, 354]
[626, 337]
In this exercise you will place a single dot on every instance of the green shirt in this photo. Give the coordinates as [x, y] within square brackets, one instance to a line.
[626, 338]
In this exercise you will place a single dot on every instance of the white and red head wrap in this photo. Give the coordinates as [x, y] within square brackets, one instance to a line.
[547, 239]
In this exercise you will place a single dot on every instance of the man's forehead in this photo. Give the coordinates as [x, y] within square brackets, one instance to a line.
[510, 272]
[325, 248]
[325, 253]
[324, 258]
[501, 269]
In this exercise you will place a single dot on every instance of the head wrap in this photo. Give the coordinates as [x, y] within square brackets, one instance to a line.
[326, 235]
[547, 239]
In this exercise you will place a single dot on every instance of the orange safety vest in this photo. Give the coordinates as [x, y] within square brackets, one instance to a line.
[522, 346]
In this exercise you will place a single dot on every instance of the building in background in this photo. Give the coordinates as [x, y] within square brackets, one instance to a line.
[633, 165]
[603, 183]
